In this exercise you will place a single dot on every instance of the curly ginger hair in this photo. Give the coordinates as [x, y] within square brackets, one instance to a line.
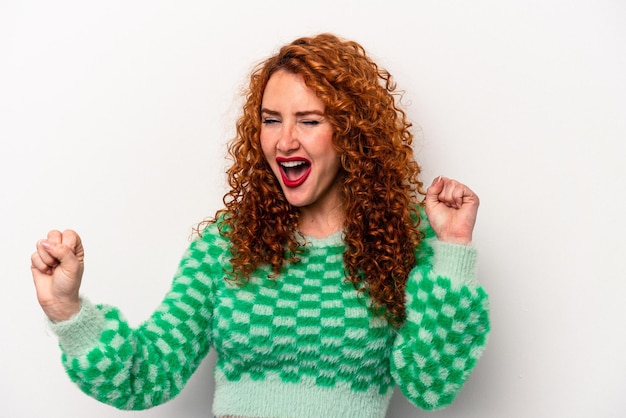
[379, 176]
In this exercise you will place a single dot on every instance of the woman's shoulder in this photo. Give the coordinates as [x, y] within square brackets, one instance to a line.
[213, 230]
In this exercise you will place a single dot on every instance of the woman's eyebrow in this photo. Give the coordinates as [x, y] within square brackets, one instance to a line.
[299, 114]
[269, 112]
[310, 112]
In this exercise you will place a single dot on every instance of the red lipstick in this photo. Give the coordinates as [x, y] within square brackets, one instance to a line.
[294, 170]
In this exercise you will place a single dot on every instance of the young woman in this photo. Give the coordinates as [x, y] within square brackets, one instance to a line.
[328, 278]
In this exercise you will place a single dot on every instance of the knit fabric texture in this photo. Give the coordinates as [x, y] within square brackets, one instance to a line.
[303, 344]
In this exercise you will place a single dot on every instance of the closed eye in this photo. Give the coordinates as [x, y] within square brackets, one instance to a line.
[269, 121]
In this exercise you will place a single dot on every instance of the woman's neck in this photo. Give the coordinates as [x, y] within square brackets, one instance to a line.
[321, 224]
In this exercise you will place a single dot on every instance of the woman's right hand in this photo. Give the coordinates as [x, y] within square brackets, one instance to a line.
[57, 267]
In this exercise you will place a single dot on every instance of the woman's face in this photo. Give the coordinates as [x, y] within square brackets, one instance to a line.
[297, 142]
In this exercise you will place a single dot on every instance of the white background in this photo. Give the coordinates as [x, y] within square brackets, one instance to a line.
[114, 118]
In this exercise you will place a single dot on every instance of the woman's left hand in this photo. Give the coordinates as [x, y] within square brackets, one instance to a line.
[451, 208]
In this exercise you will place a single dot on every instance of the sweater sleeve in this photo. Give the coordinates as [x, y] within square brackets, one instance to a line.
[143, 367]
[446, 327]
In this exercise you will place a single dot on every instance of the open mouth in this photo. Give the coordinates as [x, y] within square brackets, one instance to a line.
[294, 171]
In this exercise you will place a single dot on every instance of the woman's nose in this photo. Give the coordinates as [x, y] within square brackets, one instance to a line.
[288, 140]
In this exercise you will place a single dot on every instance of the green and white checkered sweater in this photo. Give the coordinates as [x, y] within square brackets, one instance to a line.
[300, 345]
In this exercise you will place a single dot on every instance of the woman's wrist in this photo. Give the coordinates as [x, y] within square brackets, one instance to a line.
[62, 311]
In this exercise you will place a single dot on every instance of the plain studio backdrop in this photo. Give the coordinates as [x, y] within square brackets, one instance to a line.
[114, 119]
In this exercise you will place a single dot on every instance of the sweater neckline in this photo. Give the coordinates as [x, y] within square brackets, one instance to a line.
[333, 239]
